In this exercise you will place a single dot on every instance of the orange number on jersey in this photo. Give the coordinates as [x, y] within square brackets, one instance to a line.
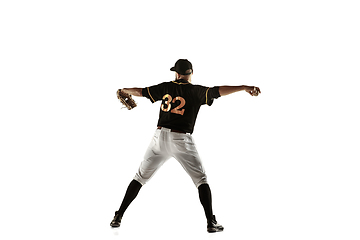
[182, 103]
[168, 100]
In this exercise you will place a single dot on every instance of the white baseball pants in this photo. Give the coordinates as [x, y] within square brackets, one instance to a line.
[166, 144]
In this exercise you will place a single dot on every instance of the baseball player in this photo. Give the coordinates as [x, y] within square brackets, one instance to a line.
[180, 104]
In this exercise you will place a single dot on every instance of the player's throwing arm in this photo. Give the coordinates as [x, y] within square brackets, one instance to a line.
[226, 90]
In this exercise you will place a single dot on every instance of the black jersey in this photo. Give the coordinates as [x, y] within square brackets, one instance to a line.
[181, 102]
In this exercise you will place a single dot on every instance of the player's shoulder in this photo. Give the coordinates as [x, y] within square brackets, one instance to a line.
[199, 88]
[161, 85]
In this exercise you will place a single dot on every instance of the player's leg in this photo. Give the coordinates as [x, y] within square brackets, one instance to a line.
[153, 160]
[206, 201]
[146, 170]
[131, 193]
[184, 150]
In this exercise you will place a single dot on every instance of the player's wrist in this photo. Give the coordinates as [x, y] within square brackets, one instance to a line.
[243, 87]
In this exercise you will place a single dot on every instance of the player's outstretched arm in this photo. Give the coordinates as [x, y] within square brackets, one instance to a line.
[137, 92]
[226, 90]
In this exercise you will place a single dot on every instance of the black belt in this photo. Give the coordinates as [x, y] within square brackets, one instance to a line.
[173, 130]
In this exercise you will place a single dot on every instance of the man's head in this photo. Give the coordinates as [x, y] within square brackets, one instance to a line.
[183, 69]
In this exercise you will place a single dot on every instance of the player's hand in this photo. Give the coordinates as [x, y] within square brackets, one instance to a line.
[252, 90]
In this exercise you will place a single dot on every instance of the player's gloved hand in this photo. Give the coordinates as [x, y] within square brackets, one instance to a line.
[252, 90]
[126, 99]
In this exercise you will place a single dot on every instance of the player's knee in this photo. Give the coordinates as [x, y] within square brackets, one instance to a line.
[202, 181]
[140, 180]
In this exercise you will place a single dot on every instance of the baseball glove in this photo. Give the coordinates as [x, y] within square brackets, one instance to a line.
[126, 99]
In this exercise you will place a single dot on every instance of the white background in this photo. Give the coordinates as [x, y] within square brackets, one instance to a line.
[284, 165]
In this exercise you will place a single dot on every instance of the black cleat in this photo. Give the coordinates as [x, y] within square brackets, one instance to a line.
[213, 226]
[116, 221]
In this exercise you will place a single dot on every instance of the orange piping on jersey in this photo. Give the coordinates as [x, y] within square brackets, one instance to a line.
[206, 95]
[180, 83]
[150, 95]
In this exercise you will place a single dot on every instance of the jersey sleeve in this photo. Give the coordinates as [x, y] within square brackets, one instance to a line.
[208, 94]
[154, 93]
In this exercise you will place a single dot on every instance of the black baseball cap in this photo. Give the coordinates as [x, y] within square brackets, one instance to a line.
[183, 67]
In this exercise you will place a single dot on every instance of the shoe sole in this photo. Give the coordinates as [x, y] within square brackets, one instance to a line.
[214, 230]
[115, 225]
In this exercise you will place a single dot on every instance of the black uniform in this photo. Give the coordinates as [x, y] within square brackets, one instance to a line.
[181, 102]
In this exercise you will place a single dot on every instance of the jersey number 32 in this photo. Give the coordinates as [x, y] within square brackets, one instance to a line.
[166, 106]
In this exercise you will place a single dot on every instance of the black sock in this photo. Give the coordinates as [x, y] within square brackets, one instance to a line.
[205, 199]
[131, 193]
